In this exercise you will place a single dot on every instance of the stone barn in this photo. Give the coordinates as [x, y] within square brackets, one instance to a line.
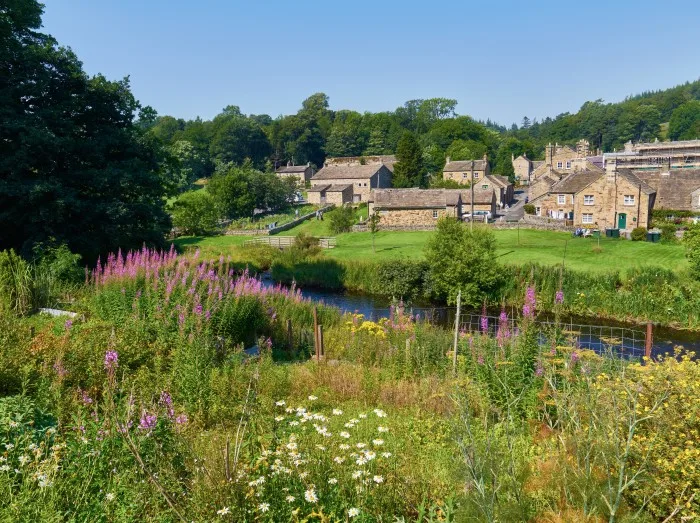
[362, 178]
[302, 173]
[327, 194]
[414, 208]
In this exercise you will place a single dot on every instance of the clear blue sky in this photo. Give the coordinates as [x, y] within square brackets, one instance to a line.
[500, 60]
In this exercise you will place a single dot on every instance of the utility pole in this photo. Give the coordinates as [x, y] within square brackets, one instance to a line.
[471, 222]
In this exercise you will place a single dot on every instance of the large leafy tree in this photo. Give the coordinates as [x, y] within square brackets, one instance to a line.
[461, 259]
[73, 165]
[685, 122]
[409, 170]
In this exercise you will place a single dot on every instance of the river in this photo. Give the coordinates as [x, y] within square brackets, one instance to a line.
[594, 333]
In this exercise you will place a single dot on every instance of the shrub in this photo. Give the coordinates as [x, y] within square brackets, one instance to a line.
[341, 219]
[668, 232]
[639, 234]
[194, 213]
[691, 239]
[529, 208]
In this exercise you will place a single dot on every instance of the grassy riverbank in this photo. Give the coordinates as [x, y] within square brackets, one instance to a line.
[145, 408]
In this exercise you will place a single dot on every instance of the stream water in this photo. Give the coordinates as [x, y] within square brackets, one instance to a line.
[591, 332]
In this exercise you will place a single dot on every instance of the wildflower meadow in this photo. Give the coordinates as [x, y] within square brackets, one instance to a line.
[184, 389]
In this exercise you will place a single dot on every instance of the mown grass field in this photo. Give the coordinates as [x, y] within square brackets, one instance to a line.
[545, 247]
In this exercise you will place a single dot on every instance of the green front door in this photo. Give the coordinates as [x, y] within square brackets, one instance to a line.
[622, 221]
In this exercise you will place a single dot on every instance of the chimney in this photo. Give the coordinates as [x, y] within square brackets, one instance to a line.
[308, 164]
[512, 157]
[486, 158]
[289, 164]
[611, 168]
[447, 160]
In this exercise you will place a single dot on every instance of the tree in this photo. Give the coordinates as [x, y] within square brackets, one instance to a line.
[409, 170]
[526, 123]
[374, 220]
[186, 166]
[462, 259]
[229, 190]
[691, 239]
[685, 122]
[73, 164]
[237, 138]
[194, 213]
[466, 150]
[341, 219]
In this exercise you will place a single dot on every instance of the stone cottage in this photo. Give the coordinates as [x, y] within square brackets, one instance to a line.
[501, 186]
[327, 194]
[361, 177]
[676, 189]
[466, 171]
[302, 173]
[484, 202]
[613, 199]
[559, 160]
[414, 208]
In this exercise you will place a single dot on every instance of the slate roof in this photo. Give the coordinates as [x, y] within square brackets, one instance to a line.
[536, 164]
[481, 196]
[673, 191]
[292, 169]
[415, 198]
[338, 187]
[318, 188]
[636, 181]
[501, 181]
[466, 165]
[355, 171]
[575, 182]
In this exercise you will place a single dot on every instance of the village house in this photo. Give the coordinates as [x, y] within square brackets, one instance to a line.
[388, 160]
[414, 208]
[302, 173]
[500, 185]
[611, 199]
[466, 171]
[421, 208]
[330, 194]
[676, 189]
[682, 154]
[560, 160]
[362, 178]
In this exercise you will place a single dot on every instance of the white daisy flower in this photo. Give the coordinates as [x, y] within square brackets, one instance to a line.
[280, 403]
[332, 481]
[310, 495]
[290, 499]
[380, 413]
[344, 434]
[110, 496]
[264, 507]
[223, 511]
[377, 442]
[337, 412]
[386, 454]
[313, 398]
[339, 459]
[383, 429]
[378, 479]
[353, 512]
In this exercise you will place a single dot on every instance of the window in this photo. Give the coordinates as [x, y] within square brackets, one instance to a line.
[559, 165]
[538, 211]
[568, 164]
[588, 199]
[435, 213]
[465, 175]
[484, 186]
[629, 199]
[476, 176]
[561, 199]
[587, 218]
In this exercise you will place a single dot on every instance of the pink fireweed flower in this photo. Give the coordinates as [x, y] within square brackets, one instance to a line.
[574, 357]
[559, 297]
[167, 401]
[59, 369]
[68, 324]
[530, 303]
[84, 397]
[181, 419]
[111, 361]
[148, 421]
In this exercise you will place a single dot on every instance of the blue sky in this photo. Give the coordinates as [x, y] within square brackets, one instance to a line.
[500, 60]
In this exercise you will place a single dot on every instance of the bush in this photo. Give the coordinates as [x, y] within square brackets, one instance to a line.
[194, 213]
[15, 283]
[341, 219]
[691, 239]
[668, 232]
[639, 234]
[529, 208]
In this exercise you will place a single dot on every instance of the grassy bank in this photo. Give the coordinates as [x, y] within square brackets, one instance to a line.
[513, 247]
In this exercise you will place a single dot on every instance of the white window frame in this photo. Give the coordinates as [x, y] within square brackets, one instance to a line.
[476, 176]
[561, 199]
[568, 164]
[560, 165]
[465, 175]
[538, 211]
[629, 199]
[587, 217]
[588, 199]
[435, 213]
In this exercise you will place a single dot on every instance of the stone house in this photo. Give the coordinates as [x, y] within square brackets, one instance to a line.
[559, 160]
[595, 199]
[327, 194]
[361, 177]
[523, 167]
[466, 171]
[500, 185]
[302, 173]
[676, 189]
[414, 208]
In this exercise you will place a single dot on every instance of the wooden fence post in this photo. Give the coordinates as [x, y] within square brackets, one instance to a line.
[454, 348]
[648, 341]
[321, 350]
[316, 332]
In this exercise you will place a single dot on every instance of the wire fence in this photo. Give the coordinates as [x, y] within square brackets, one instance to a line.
[621, 342]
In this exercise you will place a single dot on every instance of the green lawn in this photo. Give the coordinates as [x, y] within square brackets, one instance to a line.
[543, 247]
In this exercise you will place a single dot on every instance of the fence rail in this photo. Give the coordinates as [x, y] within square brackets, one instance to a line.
[284, 242]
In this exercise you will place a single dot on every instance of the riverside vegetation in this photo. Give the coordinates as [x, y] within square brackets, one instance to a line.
[145, 407]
